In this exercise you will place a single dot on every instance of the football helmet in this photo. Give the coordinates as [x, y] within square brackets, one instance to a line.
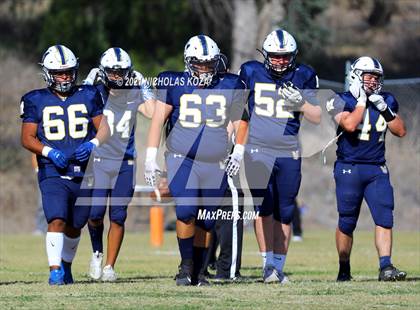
[279, 43]
[59, 59]
[115, 66]
[201, 57]
[364, 65]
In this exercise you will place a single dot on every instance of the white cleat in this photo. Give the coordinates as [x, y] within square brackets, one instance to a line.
[270, 274]
[95, 268]
[282, 278]
[297, 239]
[108, 274]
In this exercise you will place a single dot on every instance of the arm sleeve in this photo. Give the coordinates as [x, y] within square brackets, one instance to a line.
[162, 93]
[97, 104]
[309, 92]
[146, 91]
[336, 105]
[28, 111]
[238, 110]
[392, 103]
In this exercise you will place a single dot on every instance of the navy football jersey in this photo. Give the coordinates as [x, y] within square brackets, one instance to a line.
[62, 124]
[120, 110]
[367, 143]
[270, 124]
[198, 121]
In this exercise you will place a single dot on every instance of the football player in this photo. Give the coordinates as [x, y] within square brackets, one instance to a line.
[281, 91]
[364, 114]
[199, 105]
[124, 92]
[62, 125]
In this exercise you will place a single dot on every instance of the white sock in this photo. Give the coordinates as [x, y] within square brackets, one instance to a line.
[69, 248]
[267, 258]
[279, 261]
[54, 245]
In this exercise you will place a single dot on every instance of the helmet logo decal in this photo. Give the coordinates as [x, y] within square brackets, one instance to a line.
[60, 50]
[280, 36]
[117, 53]
[204, 44]
[375, 63]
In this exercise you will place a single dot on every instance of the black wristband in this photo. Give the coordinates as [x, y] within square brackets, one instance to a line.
[388, 115]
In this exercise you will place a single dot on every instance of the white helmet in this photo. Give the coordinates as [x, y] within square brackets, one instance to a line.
[201, 51]
[56, 59]
[364, 65]
[115, 66]
[278, 43]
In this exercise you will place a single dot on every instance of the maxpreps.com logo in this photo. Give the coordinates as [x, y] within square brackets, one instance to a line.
[226, 215]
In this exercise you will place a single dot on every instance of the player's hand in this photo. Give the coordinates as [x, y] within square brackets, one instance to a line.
[292, 96]
[93, 76]
[58, 158]
[151, 168]
[379, 102]
[82, 153]
[234, 160]
[356, 89]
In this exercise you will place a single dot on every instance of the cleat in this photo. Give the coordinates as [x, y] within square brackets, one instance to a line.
[183, 278]
[56, 277]
[68, 277]
[283, 279]
[95, 268]
[270, 274]
[202, 281]
[344, 277]
[108, 274]
[297, 239]
[391, 273]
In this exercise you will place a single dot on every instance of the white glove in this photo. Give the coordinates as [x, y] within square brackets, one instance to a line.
[379, 102]
[234, 160]
[292, 96]
[93, 75]
[151, 167]
[356, 89]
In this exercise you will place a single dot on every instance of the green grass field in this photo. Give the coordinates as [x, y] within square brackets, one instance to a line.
[146, 277]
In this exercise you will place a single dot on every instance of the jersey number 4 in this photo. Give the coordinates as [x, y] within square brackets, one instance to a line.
[122, 127]
[78, 126]
[366, 127]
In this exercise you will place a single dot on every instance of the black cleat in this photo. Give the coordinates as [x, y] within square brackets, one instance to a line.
[391, 273]
[344, 277]
[202, 280]
[183, 278]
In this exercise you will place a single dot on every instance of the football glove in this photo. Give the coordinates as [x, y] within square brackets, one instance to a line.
[93, 76]
[151, 168]
[379, 102]
[234, 160]
[356, 89]
[57, 157]
[292, 96]
[82, 153]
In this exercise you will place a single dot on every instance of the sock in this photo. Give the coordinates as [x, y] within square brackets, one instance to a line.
[69, 248]
[54, 245]
[384, 261]
[96, 237]
[199, 256]
[186, 247]
[267, 258]
[279, 261]
[345, 267]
